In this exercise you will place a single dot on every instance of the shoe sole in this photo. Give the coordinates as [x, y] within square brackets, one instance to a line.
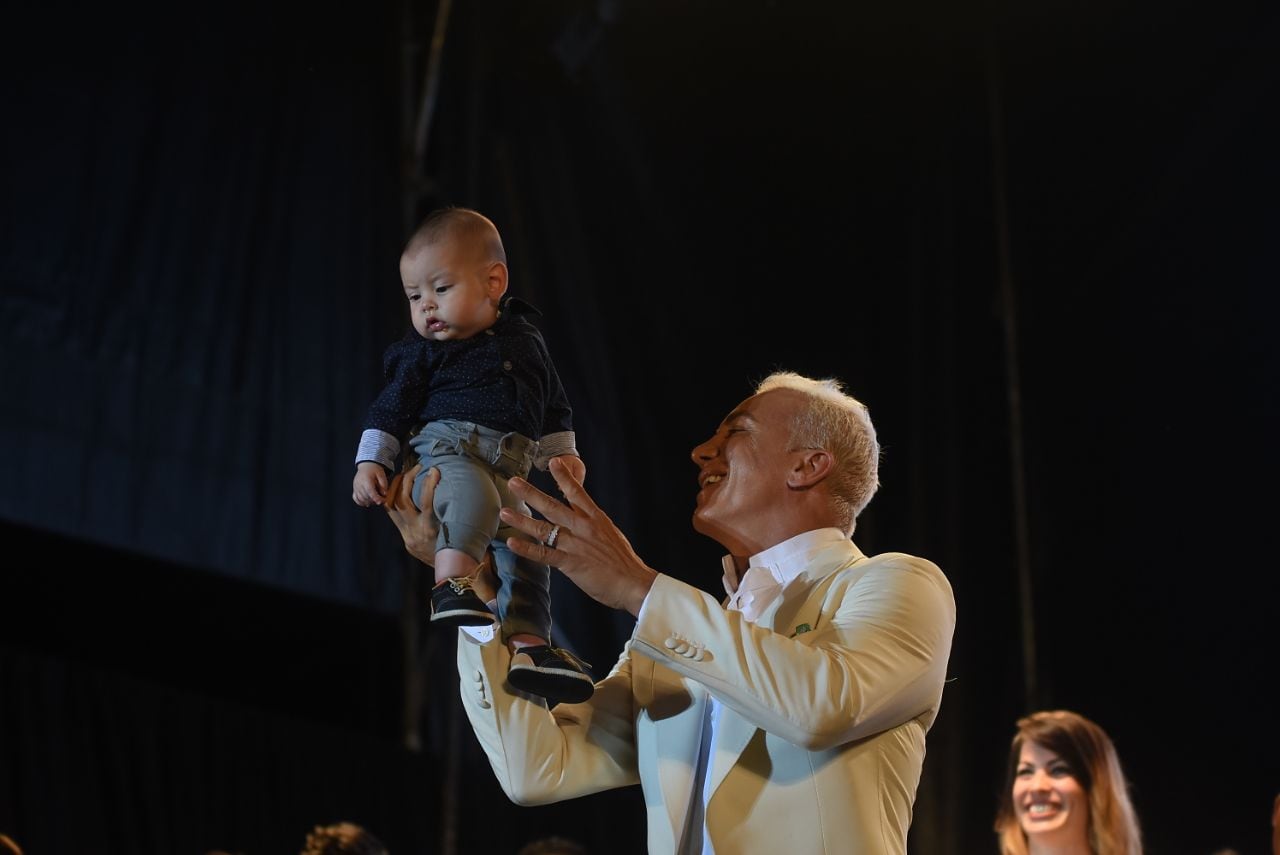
[462, 617]
[556, 685]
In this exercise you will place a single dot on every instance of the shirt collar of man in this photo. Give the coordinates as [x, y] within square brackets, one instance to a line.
[785, 560]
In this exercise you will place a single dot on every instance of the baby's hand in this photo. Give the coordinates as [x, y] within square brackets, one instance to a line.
[575, 466]
[370, 484]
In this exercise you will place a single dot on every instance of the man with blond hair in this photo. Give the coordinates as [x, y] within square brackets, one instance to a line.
[791, 717]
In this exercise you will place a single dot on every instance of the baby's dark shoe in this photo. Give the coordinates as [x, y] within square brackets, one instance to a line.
[454, 603]
[555, 674]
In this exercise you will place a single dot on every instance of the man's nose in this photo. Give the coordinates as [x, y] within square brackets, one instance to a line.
[704, 451]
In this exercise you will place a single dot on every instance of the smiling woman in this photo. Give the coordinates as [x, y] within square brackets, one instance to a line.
[1065, 791]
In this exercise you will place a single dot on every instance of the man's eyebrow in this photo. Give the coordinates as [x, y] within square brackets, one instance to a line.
[732, 418]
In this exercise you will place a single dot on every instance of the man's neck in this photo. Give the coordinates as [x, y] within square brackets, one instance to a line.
[781, 556]
[742, 549]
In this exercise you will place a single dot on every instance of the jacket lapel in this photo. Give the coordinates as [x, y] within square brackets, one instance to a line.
[799, 608]
[796, 611]
[733, 732]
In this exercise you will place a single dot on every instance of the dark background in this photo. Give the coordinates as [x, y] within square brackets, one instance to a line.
[1039, 241]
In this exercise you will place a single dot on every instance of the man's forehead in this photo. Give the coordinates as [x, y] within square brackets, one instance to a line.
[747, 411]
[738, 415]
[742, 412]
[761, 404]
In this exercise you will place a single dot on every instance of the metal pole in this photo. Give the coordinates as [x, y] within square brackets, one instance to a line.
[430, 90]
[1013, 384]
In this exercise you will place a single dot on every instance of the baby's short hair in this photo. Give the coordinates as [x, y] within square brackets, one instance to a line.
[461, 225]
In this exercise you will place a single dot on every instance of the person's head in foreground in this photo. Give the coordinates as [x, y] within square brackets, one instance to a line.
[1065, 791]
[342, 838]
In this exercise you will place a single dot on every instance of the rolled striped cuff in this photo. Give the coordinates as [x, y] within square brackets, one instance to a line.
[554, 445]
[380, 447]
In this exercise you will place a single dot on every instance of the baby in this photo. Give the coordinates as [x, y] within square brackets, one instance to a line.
[475, 378]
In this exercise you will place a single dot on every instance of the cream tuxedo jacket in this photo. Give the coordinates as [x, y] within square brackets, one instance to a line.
[827, 699]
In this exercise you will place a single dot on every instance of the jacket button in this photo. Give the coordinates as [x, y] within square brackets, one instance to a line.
[506, 365]
[671, 643]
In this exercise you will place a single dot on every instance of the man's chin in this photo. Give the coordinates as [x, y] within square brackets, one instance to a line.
[699, 523]
[707, 526]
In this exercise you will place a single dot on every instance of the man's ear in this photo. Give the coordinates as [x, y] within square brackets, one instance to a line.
[497, 280]
[810, 467]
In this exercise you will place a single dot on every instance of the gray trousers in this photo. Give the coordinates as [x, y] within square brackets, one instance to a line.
[475, 463]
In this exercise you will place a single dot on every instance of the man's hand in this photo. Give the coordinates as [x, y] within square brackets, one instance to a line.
[589, 548]
[418, 530]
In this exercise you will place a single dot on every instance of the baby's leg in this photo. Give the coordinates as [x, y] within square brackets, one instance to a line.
[524, 598]
[466, 504]
[453, 564]
[536, 667]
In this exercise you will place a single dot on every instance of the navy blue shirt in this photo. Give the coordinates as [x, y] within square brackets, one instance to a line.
[502, 378]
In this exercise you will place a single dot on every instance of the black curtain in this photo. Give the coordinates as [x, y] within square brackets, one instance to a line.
[201, 217]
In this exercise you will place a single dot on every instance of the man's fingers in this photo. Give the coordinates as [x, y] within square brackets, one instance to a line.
[392, 506]
[536, 552]
[537, 529]
[401, 489]
[550, 508]
[393, 489]
[407, 477]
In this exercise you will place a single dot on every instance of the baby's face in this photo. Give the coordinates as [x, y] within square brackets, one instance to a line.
[453, 293]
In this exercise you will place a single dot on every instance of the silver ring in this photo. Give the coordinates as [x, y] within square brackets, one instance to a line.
[551, 536]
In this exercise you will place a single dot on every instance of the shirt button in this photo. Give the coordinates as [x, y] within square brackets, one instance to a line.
[488, 332]
[506, 365]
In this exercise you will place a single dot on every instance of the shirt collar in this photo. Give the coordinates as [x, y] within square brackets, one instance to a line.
[510, 305]
[786, 560]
